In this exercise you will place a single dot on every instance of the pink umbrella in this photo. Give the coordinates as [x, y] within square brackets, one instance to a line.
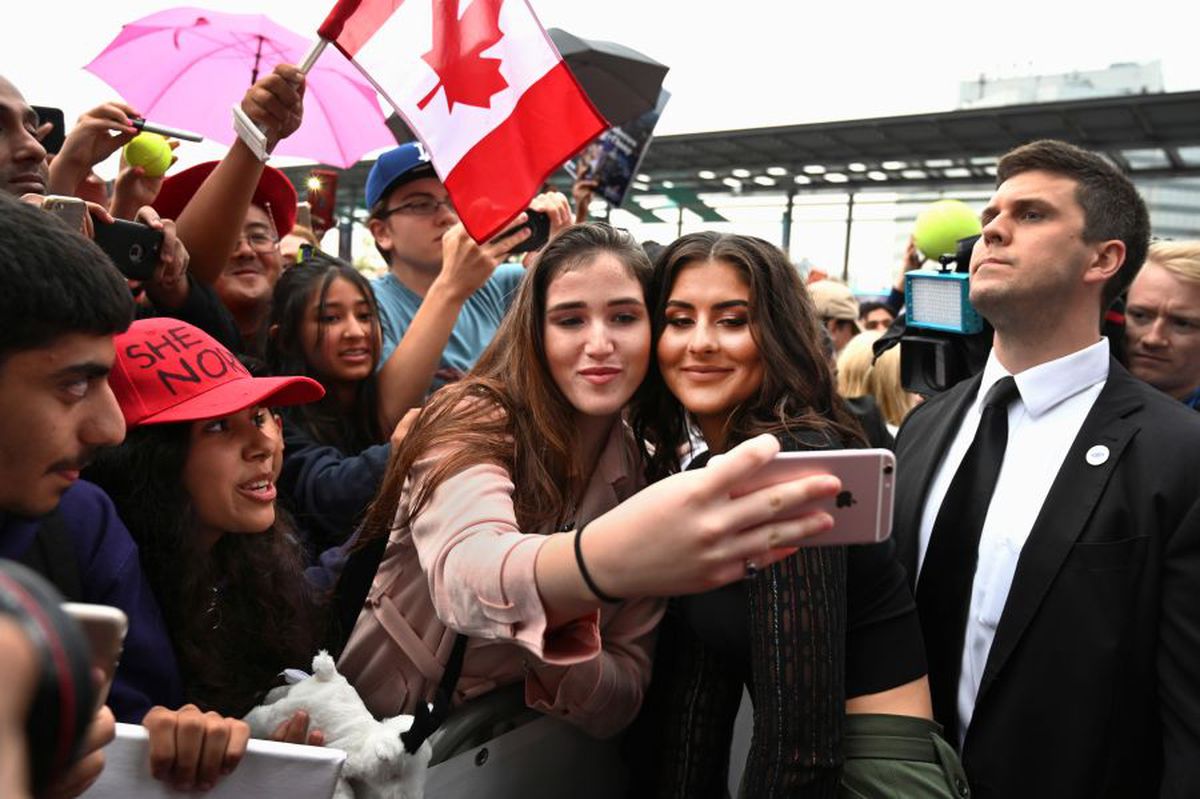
[187, 67]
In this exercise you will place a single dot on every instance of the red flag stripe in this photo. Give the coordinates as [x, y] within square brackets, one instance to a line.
[352, 22]
[551, 122]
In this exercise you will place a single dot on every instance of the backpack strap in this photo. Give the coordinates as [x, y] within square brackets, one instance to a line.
[427, 717]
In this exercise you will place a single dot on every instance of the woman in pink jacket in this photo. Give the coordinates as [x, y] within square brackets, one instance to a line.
[485, 508]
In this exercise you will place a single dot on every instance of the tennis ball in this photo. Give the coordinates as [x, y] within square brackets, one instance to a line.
[151, 152]
[942, 224]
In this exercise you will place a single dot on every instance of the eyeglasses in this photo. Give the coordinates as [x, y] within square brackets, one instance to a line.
[423, 207]
[259, 242]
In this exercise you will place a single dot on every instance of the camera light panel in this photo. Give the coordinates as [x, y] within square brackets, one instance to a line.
[940, 301]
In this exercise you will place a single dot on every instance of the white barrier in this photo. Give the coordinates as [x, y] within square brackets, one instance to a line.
[268, 769]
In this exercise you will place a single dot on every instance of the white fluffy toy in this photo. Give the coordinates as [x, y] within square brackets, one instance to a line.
[376, 767]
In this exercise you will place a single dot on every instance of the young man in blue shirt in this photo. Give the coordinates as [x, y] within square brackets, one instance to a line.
[444, 295]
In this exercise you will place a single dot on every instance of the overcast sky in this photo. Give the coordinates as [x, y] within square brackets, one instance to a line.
[733, 65]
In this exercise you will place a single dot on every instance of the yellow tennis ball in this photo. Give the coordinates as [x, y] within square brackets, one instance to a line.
[942, 224]
[151, 152]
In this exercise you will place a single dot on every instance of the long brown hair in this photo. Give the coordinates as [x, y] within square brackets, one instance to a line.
[508, 410]
[797, 396]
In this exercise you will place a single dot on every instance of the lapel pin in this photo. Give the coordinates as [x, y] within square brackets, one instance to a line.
[1097, 455]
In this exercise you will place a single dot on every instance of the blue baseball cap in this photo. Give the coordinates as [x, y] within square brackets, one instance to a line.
[407, 162]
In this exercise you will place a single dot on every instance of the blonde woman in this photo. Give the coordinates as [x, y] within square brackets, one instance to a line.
[858, 377]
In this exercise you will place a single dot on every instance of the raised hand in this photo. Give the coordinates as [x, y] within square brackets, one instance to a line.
[467, 265]
[98, 134]
[276, 103]
[134, 189]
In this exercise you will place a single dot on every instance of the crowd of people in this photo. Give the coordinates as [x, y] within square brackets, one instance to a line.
[526, 474]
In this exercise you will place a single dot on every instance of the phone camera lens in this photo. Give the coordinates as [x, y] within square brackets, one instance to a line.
[136, 253]
[889, 469]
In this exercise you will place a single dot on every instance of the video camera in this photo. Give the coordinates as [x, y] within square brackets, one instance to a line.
[64, 701]
[943, 339]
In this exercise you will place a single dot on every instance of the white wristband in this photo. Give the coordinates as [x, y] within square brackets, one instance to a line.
[249, 133]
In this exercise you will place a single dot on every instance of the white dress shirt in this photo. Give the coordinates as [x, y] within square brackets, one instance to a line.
[1055, 398]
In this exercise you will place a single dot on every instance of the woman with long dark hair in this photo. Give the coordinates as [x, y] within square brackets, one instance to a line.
[324, 324]
[194, 481]
[511, 514]
[827, 641]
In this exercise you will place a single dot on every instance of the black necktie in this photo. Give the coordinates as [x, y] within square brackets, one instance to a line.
[944, 587]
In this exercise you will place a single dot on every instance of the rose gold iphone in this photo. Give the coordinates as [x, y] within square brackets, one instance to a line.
[105, 628]
[861, 511]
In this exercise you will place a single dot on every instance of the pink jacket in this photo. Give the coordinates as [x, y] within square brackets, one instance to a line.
[463, 566]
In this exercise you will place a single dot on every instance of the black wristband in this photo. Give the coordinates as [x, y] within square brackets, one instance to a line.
[583, 572]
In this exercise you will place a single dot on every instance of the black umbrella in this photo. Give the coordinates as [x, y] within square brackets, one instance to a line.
[622, 83]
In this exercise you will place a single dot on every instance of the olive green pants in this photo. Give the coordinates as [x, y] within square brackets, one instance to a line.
[899, 757]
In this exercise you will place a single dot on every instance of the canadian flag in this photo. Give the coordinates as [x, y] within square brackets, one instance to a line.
[481, 85]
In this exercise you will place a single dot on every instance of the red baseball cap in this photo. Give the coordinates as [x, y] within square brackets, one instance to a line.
[169, 371]
[274, 194]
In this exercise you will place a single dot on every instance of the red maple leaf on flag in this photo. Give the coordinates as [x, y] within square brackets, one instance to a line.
[467, 76]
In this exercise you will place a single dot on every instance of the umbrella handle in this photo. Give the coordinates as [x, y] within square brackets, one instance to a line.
[313, 54]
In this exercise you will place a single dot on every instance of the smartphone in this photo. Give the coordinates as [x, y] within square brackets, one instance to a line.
[53, 141]
[539, 223]
[304, 214]
[104, 628]
[133, 247]
[861, 511]
[69, 209]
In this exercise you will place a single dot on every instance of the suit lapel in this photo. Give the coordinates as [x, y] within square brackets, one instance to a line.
[920, 449]
[1076, 490]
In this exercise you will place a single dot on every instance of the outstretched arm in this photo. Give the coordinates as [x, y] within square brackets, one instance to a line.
[212, 221]
[712, 534]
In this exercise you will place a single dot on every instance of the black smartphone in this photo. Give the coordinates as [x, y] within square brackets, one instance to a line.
[539, 223]
[133, 247]
[54, 139]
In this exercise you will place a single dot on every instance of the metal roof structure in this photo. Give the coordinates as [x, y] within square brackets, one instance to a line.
[1146, 135]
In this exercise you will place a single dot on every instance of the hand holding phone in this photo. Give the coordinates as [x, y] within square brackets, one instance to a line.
[538, 223]
[70, 210]
[133, 247]
[53, 140]
[861, 511]
[105, 628]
